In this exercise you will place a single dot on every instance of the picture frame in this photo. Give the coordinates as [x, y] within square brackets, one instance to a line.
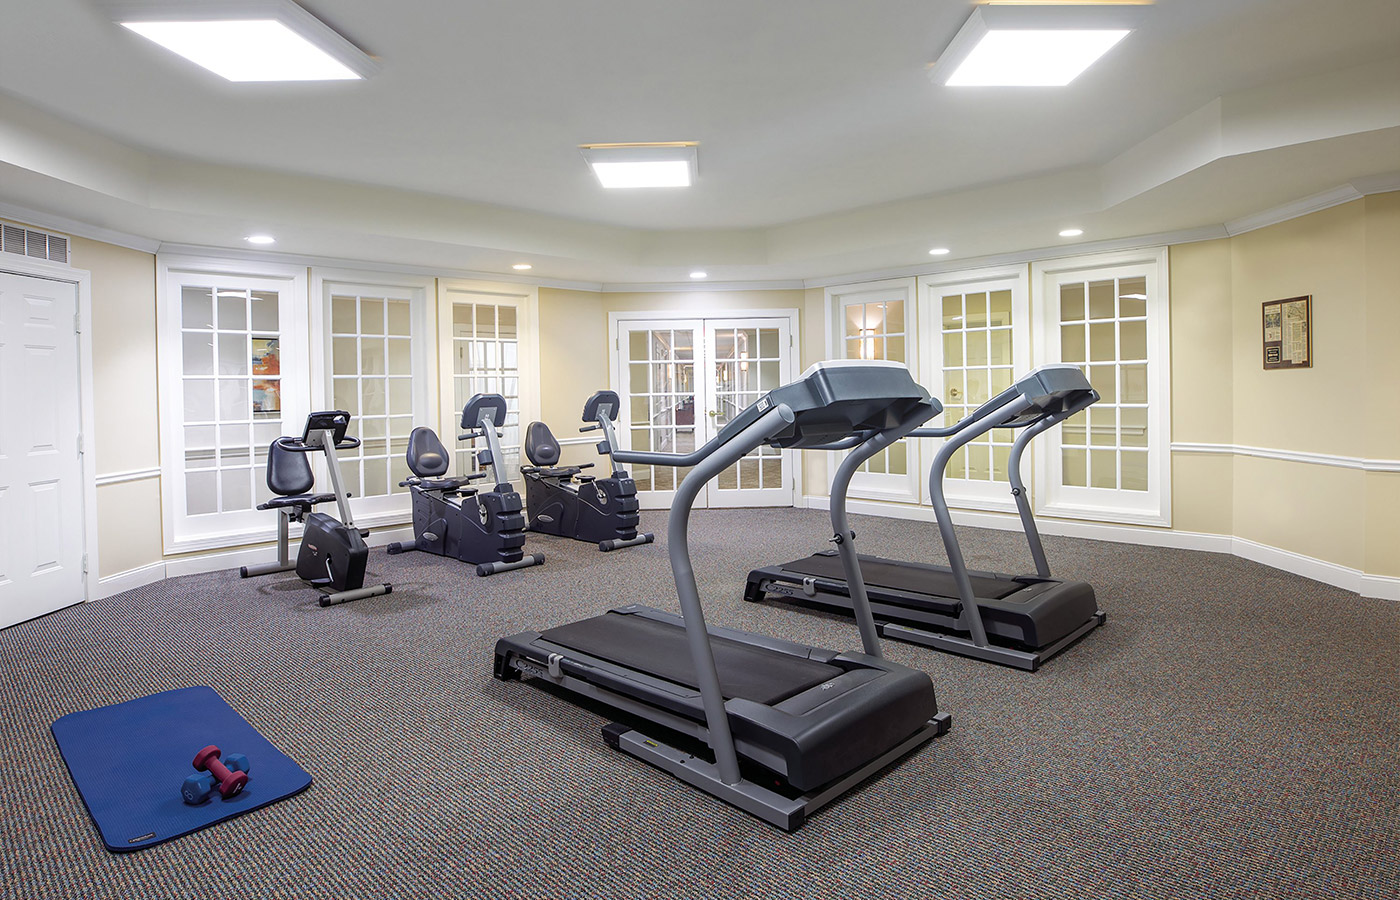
[1287, 333]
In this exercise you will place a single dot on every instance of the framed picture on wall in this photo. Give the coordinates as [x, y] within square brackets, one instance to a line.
[267, 386]
[1288, 333]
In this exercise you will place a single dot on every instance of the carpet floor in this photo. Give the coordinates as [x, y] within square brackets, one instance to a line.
[1232, 732]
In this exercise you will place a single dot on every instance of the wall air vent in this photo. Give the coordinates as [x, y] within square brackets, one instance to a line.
[37, 244]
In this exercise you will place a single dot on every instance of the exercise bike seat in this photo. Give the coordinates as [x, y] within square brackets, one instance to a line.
[305, 501]
[542, 449]
[428, 459]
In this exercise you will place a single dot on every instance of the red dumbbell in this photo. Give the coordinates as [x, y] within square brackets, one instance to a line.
[230, 782]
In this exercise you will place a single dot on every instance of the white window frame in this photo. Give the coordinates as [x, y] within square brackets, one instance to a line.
[395, 508]
[525, 299]
[963, 493]
[1150, 507]
[867, 485]
[184, 533]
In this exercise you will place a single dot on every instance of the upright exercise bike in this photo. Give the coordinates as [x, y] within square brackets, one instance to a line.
[333, 553]
[450, 519]
[563, 502]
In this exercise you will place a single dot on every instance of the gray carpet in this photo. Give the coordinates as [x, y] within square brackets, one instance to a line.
[1231, 732]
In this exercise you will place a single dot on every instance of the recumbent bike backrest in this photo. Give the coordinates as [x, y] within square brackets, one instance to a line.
[427, 457]
[540, 446]
[288, 472]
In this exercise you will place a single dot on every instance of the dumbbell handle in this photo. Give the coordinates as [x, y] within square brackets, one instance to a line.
[218, 769]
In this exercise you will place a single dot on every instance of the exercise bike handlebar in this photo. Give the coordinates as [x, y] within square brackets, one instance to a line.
[299, 446]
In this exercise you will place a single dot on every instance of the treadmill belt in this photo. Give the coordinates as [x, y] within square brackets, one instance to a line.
[902, 577]
[660, 649]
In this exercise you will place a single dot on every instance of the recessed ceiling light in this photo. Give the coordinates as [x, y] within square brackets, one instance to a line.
[673, 164]
[1039, 45]
[260, 239]
[247, 40]
[522, 266]
[1072, 232]
[699, 274]
[939, 251]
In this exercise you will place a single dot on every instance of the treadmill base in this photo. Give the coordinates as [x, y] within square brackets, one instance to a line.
[787, 813]
[1026, 660]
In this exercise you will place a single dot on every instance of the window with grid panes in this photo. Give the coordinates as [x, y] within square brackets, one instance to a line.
[486, 359]
[1103, 328]
[232, 372]
[372, 379]
[230, 348]
[876, 329]
[661, 384]
[977, 340]
[748, 364]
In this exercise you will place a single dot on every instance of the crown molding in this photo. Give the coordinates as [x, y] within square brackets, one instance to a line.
[75, 228]
[1024, 257]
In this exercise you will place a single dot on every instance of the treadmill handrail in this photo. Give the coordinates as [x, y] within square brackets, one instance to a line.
[686, 460]
[716, 459]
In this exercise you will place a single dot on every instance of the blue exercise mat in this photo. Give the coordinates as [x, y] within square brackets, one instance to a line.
[129, 760]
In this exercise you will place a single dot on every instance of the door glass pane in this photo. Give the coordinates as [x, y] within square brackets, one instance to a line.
[978, 353]
[486, 359]
[1116, 428]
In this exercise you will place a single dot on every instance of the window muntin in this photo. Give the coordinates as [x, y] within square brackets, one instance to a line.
[1109, 314]
[876, 329]
[486, 359]
[1103, 329]
[661, 388]
[747, 364]
[977, 341]
[233, 376]
[231, 382]
[372, 379]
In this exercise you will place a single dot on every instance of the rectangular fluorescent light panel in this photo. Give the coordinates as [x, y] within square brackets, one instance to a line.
[643, 165]
[1031, 46]
[246, 40]
[246, 50]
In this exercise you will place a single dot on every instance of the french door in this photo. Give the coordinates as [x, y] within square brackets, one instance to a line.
[681, 381]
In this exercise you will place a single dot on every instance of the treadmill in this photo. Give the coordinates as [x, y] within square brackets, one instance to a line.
[776, 728]
[1013, 620]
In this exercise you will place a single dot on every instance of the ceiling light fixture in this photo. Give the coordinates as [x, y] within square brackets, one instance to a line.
[939, 251]
[521, 267]
[260, 239]
[674, 164]
[246, 40]
[1072, 232]
[1038, 45]
[699, 274]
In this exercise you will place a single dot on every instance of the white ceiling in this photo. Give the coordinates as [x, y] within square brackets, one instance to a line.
[824, 149]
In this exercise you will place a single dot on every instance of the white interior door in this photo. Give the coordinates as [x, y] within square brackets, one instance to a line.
[745, 359]
[41, 475]
[660, 393]
[681, 381]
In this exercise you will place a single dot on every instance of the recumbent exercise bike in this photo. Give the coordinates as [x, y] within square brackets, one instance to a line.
[483, 527]
[563, 502]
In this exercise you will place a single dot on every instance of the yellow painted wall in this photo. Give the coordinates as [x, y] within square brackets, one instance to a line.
[1381, 432]
[1347, 258]
[126, 407]
[1202, 375]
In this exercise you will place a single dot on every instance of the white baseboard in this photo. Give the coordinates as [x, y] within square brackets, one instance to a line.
[214, 562]
[129, 580]
[1383, 587]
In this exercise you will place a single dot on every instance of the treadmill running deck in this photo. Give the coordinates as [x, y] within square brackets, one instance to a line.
[660, 649]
